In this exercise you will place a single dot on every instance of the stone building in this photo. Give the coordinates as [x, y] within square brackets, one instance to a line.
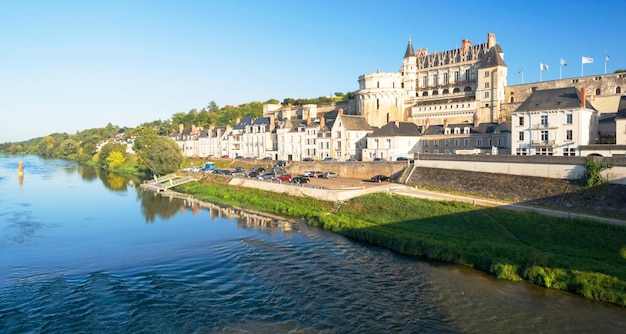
[455, 86]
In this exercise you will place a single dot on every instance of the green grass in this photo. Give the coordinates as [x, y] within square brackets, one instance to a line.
[584, 257]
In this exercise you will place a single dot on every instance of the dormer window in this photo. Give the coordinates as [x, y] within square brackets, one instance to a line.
[446, 131]
[457, 131]
[466, 130]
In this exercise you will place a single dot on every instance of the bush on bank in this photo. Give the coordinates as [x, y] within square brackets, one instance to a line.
[584, 257]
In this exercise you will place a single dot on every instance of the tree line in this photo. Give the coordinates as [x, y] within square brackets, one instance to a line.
[155, 152]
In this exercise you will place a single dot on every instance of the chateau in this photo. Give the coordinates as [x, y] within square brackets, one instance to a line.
[449, 102]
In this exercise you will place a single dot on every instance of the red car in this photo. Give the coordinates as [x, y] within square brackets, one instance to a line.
[283, 178]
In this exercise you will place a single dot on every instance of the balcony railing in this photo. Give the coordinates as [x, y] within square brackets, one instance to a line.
[542, 143]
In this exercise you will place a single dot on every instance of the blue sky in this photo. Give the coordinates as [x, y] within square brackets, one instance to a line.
[67, 66]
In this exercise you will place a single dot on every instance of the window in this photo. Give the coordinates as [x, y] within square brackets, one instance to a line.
[544, 136]
[521, 120]
[569, 118]
[479, 142]
[447, 142]
[569, 152]
[520, 136]
[466, 142]
[375, 143]
[544, 120]
[486, 85]
[521, 151]
[457, 131]
[388, 141]
[425, 143]
[457, 142]
[486, 74]
[445, 78]
[425, 81]
[569, 134]
[500, 142]
[456, 76]
[486, 94]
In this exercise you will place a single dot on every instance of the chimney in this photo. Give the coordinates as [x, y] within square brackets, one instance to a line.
[322, 122]
[272, 122]
[340, 112]
[445, 123]
[397, 123]
[491, 40]
[427, 123]
[583, 97]
[465, 45]
[181, 127]
[308, 120]
[476, 121]
[193, 129]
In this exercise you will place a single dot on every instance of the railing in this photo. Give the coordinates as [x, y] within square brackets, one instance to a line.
[545, 143]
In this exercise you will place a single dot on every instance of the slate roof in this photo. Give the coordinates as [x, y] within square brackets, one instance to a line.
[355, 123]
[243, 123]
[409, 50]
[621, 109]
[553, 99]
[492, 58]
[403, 129]
[482, 128]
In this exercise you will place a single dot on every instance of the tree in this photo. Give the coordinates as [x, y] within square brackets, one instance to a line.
[164, 156]
[115, 159]
[213, 107]
[145, 138]
[106, 150]
[68, 147]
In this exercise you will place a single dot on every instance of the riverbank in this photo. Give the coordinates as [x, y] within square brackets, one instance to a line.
[580, 256]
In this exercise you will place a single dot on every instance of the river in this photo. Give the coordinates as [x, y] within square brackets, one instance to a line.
[83, 250]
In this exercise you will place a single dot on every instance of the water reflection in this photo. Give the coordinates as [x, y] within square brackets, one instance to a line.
[167, 204]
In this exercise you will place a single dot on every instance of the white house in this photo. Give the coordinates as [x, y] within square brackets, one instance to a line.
[393, 140]
[553, 122]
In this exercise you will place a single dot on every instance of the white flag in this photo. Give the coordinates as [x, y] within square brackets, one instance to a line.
[587, 60]
[563, 62]
[543, 66]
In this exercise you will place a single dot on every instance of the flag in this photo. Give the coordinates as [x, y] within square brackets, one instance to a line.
[543, 66]
[521, 70]
[587, 60]
[563, 62]
[606, 57]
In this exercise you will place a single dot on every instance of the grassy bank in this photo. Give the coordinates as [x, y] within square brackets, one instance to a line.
[583, 257]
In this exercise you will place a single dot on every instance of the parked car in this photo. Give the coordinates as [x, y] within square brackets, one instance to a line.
[378, 159]
[318, 174]
[300, 179]
[310, 173]
[330, 175]
[225, 156]
[277, 170]
[265, 176]
[330, 160]
[351, 160]
[379, 178]
[281, 163]
[258, 169]
[252, 174]
[283, 178]
[307, 159]
[402, 159]
[239, 169]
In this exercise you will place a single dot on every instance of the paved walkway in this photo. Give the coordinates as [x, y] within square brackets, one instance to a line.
[419, 193]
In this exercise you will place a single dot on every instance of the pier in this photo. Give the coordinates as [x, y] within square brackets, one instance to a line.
[160, 184]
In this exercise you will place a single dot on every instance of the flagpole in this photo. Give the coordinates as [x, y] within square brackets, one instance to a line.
[605, 62]
[560, 69]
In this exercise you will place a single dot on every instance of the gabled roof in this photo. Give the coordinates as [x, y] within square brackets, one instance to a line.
[492, 58]
[355, 123]
[482, 128]
[243, 123]
[401, 129]
[553, 99]
[621, 109]
[261, 121]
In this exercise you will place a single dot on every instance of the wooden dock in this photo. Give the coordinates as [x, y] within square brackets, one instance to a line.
[160, 184]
